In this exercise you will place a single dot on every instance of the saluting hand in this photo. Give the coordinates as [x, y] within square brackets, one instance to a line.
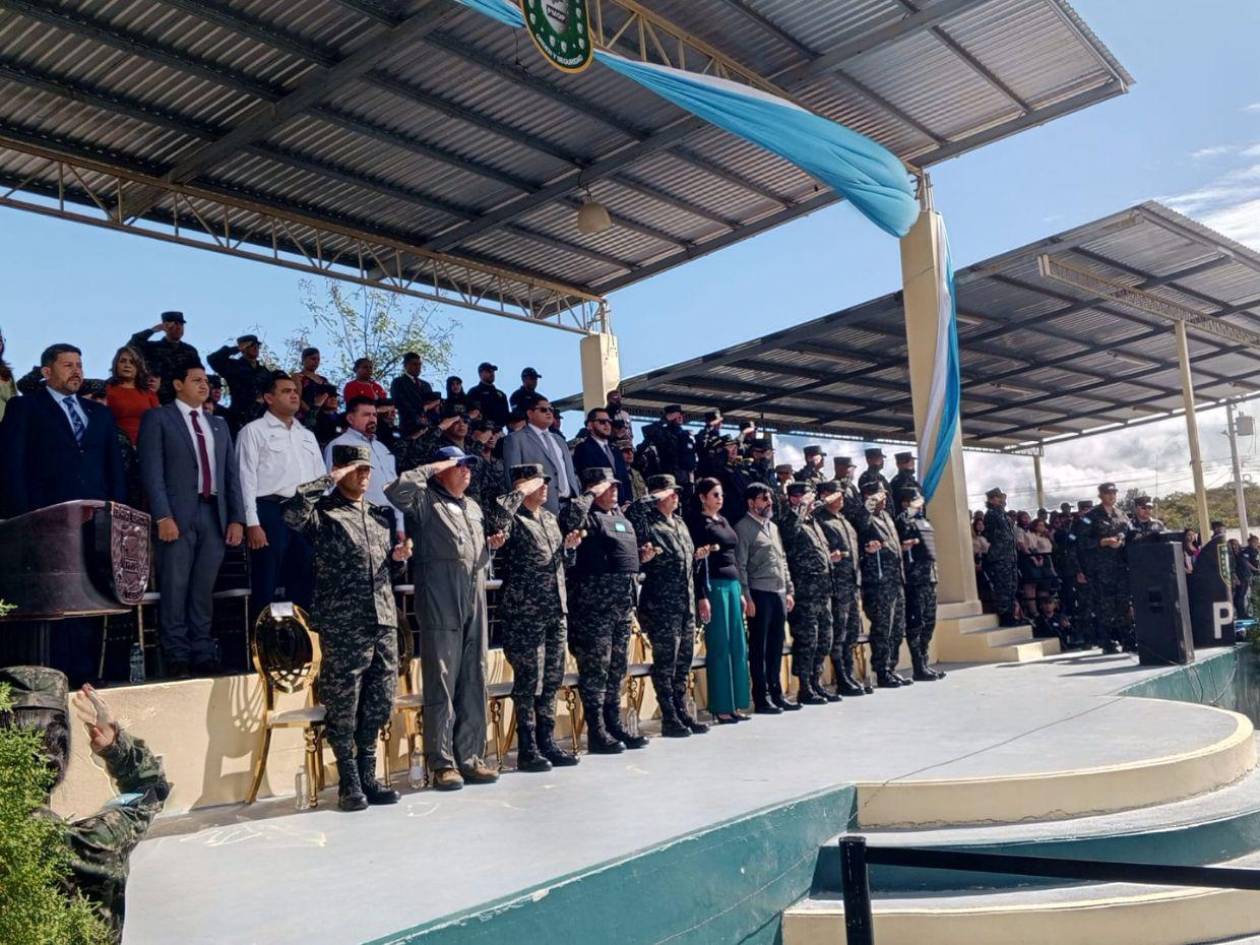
[599, 488]
[338, 473]
[446, 424]
[530, 486]
[91, 710]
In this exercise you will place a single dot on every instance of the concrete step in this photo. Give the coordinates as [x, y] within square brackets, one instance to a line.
[976, 624]
[1218, 825]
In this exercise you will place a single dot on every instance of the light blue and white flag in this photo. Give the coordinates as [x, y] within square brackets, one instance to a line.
[862, 171]
[945, 395]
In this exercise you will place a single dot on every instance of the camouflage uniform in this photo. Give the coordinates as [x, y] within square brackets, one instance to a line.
[905, 479]
[810, 474]
[883, 592]
[353, 612]
[920, 561]
[100, 846]
[846, 584]
[422, 450]
[1108, 573]
[601, 599]
[1000, 560]
[870, 474]
[1076, 557]
[667, 603]
[533, 610]
[809, 561]
[1145, 531]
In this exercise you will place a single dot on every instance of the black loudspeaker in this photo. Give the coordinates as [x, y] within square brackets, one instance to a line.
[1161, 612]
[1211, 596]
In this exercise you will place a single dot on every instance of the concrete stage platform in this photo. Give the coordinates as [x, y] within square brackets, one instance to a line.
[705, 839]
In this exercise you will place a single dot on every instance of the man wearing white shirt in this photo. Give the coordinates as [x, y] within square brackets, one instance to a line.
[535, 443]
[188, 469]
[277, 454]
[361, 418]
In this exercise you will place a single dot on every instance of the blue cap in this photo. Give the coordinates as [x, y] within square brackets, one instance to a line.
[455, 453]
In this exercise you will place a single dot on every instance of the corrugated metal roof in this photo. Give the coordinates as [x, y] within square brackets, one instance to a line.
[466, 121]
[1041, 360]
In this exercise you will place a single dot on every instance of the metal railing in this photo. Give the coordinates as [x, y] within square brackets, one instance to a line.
[856, 858]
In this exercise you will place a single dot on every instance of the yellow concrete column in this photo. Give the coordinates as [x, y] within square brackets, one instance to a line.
[1192, 429]
[601, 368]
[948, 509]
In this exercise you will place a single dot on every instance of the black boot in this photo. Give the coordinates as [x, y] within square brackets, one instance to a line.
[598, 739]
[373, 790]
[613, 726]
[921, 671]
[852, 680]
[805, 694]
[887, 680]
[547, 746]
[697, 727]
[823, 693]
[349, 791]
[783, 703]
[528, 757]
[846, 685]
[671, 725]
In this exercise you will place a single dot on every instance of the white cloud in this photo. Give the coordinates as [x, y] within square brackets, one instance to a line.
[1230, 202]
[1253, 151]
[1253, 107]
[1240, 222]
[1212, 152]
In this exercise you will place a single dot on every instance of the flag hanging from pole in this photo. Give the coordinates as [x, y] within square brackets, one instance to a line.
[945, 395]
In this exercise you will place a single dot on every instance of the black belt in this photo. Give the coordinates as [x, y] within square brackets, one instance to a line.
[273, 498]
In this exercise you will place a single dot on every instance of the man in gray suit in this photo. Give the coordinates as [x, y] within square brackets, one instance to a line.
[188, 467]
[536, 443]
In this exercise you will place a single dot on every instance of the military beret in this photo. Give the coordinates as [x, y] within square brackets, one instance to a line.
[173, 317]
[344, 454]
[35, 687]
[872, 487]
[799, 488]
[874, 452]
[904, 457]
[995, 493]
[830, 487]
[528, 471]
[814, 450]
[1106, 487]
[908, 494]
[247, 340]
[783, 468]
[662, 482]
[593, 475]
[1143, 501]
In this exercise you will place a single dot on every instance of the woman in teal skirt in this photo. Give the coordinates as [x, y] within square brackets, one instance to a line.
[720, 607]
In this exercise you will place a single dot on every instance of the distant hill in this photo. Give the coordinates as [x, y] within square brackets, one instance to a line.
[1177, 509]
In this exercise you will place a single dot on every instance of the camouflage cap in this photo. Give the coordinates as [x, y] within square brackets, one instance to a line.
[35, 687]
[528, 471]
[1143, 502]
[664, 482]
[343, 454]
[593, 475]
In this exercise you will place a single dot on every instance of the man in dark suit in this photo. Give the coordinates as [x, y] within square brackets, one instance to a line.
[536, 443]
[56, 446]
[190, 475]
[598, 450]
[408, 391]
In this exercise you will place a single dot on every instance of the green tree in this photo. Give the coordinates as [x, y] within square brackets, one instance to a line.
[34, 857]
[1178, 510]
[355, 322]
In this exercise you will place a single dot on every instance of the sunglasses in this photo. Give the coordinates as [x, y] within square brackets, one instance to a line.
[543, 409]
[601, 420]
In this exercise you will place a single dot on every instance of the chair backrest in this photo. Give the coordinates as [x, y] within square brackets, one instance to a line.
[285, 652]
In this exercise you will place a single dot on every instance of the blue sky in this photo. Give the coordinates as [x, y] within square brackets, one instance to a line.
[1188, 133]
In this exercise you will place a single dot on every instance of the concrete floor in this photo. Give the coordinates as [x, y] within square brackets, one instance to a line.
[271, 876]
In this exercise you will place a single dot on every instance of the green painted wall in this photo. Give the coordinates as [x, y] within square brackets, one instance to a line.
[726, 885]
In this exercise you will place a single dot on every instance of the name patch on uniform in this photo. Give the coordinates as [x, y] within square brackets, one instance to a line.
[619, 527]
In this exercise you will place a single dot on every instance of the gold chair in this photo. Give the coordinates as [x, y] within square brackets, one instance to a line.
[286, 657]
[409, 703]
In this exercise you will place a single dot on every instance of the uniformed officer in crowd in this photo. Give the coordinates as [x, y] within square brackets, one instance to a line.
[667, 602]
[672, 445]
[874, 469]
[354, 614]
[1001, 560]
[883, 586]
[711, 430]
[735, 475]
[918, 543]
[1082, 612]
[846, 619]
[1108, 572]
[162, 356]
[812, 472]
[905, 477]
[247, 378]
[1145, 527]
[761, 461]
[602, 592]
[533, 613]
[452, 554]
[99, 847]
[854, 506]
[809, 560]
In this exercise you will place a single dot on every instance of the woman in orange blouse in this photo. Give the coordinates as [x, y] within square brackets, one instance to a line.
[129, 391]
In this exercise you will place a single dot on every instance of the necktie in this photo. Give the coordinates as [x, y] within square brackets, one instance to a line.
[76, 422]
[202, 455]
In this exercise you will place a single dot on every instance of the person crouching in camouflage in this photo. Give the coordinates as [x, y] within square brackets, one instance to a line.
[883, 589]
[533, 609]
[846, 583]
[667, 604]
[355, 616]
[601, 605]
[1001, 560]
[809, 561]
[99, 846]
[918, 543]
